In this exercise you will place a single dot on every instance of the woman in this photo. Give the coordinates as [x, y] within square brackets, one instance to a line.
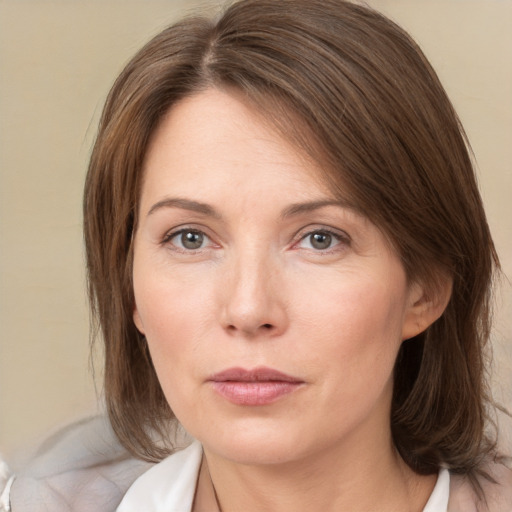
[288, 254]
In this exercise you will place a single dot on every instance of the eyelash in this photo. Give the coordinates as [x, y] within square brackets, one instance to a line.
[340, 238]
[173, 234]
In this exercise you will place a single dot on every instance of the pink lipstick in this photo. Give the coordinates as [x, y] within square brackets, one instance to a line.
[260, 386]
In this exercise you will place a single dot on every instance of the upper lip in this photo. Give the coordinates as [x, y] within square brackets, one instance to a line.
[260, 374]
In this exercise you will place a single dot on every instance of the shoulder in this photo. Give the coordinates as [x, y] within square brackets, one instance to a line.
[82, 468]
[498, 494]
[6, 479]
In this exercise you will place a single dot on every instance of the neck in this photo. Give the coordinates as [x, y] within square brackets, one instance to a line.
[372, 478]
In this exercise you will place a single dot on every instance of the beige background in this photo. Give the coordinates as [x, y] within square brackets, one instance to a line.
[57, 61]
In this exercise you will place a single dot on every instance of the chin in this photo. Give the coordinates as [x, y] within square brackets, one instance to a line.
[258, 443]
[240, 450]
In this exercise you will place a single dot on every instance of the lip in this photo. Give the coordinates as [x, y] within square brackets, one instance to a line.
[259, 386]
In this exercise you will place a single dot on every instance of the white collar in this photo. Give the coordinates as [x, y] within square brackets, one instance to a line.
[438, 501]
[170, 485]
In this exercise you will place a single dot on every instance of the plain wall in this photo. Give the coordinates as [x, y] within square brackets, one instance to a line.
[57, 62]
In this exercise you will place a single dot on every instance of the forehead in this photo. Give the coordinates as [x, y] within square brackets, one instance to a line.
[213, 140]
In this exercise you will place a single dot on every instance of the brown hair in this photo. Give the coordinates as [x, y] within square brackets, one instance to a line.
[373, 111]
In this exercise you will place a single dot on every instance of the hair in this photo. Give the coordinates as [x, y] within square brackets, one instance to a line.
[371, 109]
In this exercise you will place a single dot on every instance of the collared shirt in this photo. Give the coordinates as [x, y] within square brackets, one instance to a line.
[170, 486]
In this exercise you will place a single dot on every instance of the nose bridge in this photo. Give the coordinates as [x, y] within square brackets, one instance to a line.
[253, 301]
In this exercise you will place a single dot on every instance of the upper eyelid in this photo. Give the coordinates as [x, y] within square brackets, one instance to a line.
[172, 233]
[343, 241]
[175, 248]
[299, 235]
[186, 227]
[308, 230]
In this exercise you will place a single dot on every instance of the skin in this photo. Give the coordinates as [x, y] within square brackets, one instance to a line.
[260, 290]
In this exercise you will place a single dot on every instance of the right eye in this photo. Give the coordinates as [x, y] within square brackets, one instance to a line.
[188, 239]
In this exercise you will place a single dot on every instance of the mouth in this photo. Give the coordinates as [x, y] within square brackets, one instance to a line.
[259, 386]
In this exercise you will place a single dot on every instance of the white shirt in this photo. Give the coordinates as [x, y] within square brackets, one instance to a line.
[6, 480]
[170, 486]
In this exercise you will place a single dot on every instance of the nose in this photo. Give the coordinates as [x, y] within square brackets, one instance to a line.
[254, 303]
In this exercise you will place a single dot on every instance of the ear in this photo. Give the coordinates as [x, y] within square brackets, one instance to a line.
[137, 321]
[425, 308]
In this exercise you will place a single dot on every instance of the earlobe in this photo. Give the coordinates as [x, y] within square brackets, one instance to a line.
[424, 309]
[137, 321]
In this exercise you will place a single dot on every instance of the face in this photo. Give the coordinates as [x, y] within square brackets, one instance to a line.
[272, 311]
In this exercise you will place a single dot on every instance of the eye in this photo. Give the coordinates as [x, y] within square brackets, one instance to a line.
[321, 240]
[187, 239]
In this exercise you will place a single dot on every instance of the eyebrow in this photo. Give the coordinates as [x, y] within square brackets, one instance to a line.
[206, 209]
[310, 206]
[185, 204]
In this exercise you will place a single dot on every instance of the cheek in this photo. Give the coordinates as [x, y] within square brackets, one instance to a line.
[171, 327]
[357, 326]
[357, 308]
[175, 309]
[168, 298]
[170, 317]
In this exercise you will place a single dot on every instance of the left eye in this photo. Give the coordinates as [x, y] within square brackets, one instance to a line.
[320, 240]
[189, 239]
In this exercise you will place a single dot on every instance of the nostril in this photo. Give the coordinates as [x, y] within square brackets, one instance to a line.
[267, 326]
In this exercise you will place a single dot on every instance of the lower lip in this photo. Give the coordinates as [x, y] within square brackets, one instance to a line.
[254, 393]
